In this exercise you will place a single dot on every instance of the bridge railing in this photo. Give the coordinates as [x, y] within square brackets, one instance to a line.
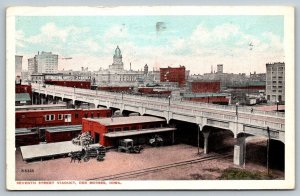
[93, 93]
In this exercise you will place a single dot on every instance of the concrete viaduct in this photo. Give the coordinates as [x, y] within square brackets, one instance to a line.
[241, 121]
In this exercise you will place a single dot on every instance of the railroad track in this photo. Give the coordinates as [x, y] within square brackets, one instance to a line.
[162, 167]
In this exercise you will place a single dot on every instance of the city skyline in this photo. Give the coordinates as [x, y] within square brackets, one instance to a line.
[242, 43]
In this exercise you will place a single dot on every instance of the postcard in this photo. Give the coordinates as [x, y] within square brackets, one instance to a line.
[150, 98]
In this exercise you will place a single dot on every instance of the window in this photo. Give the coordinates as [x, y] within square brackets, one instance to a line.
[92, 115]
[118, 129]
[76, 115]
[67, 117]
[85, 115]
[98, 115]
[60, 117]
[125, 128]
[109, 130]
[50, 117]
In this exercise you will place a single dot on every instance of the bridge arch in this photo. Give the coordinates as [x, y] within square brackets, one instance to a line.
[218, 139]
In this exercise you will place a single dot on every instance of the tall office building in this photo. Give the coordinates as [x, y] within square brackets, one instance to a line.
[46, 62]
[275, 82]
[18, 64]
[32, 67]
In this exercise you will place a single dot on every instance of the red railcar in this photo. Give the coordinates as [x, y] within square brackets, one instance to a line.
[70, 83]
[26, 137]
[57, 117]
[61, 133]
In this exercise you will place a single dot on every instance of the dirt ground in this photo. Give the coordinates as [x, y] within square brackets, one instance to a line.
[117, 162]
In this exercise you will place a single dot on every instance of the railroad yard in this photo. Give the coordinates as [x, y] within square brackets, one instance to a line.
[176, 162]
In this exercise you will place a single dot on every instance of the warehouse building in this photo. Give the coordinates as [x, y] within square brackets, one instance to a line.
[108, 131]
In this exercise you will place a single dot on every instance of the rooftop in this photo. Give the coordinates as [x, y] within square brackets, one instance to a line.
[22, 97]
[200, 95]
[64, 128]
[40, 106]
[126, 120]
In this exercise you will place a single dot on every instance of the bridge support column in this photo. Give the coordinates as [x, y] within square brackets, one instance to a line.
[206, 135]
[239, 151]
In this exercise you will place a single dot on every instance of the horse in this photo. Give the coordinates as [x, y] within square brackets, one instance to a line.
[75, 156]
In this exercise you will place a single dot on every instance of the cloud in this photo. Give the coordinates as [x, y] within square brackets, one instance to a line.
[115, 32]
[51, 31]
[224, 44]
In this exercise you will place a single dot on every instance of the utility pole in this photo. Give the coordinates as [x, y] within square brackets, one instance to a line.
[268, 148]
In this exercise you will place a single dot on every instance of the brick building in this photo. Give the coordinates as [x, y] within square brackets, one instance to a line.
[108, 131]
[205, 86]
[173, 74]
[115, 88]
[23, 95]
[215, 98]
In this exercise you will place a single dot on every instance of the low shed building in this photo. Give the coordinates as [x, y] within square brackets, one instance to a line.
[108, 131]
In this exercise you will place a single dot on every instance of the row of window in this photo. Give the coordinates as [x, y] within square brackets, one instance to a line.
[65, 117]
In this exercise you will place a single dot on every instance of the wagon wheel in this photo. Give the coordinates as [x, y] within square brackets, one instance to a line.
[100, 158]
[86, 158]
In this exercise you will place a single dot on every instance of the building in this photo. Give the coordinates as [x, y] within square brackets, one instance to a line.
[57, 117]
[220, 68]
[23, 95]
[117, 64]
[108, 131]
[173, 74]
[259, 77]
[18, 64]
[32, 66]
[123, 89]
[116, 75]
[275, 82]
[204, 86]
[44, 62]
[214, 98]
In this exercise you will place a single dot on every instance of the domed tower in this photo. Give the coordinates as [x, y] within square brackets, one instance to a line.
[146, 69]
[117, 61]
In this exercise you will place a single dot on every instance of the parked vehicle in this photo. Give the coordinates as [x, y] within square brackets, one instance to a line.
[156, 140]
[126, 145]
[88, 153]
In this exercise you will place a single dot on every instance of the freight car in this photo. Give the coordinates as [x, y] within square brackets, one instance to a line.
[57, 117]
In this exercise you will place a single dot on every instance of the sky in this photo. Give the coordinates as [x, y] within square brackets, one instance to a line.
[243, 44]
